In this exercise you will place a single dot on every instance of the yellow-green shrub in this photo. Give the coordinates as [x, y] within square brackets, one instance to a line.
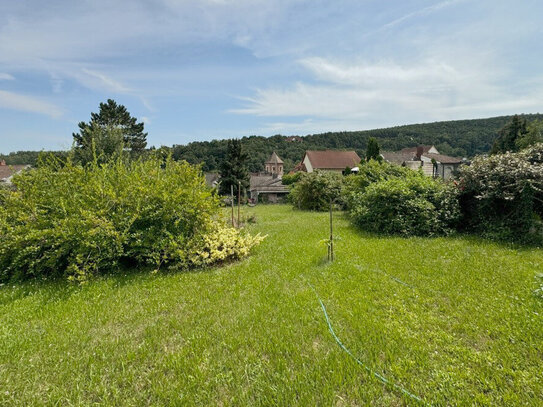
[76, 222]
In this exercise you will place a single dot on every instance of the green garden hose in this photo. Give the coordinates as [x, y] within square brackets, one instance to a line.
[344, 348]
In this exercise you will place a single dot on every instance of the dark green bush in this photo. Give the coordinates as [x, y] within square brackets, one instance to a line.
[502, 195]
[315, 190]
[412, 206]
[72, 221]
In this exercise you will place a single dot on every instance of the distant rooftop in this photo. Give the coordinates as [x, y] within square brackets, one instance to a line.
[332, 159]
[6, 171]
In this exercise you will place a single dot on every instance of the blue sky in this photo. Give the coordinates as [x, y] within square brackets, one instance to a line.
[205, 69]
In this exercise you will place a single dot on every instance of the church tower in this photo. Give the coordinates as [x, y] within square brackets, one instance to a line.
[274, 165]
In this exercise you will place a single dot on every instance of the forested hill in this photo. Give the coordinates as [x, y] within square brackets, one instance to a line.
[459, 138]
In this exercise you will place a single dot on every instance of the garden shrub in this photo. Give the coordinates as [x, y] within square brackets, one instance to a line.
[66, 220]
[412, 206]
[289, 179]
[315, 190]
[369, 173]
[501, 196]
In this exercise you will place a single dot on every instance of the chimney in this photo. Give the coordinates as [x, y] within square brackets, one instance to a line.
[420, 150]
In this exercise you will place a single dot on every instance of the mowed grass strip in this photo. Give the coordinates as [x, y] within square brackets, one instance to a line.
[464, 329]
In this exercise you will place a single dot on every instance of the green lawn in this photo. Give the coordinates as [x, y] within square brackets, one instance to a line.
[451, 320]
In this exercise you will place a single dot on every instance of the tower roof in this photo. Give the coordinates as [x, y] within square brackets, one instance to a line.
[274, 159]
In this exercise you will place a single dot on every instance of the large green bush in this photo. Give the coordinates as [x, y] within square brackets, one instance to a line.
[369, 173]
[411, 206]
[315, 190]
[502, 195]
[76, 222]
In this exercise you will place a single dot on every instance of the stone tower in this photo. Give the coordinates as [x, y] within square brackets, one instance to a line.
[274, 165]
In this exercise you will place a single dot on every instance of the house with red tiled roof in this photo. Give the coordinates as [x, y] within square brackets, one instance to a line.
[328, 160]
[8, 171]
[428, 158]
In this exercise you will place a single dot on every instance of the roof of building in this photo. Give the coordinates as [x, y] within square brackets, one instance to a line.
[425, 149]
[7, 171]
[266, 182]
[299, 167]
[274, 159]
[443, 159]
[398, 157]
[332, 159]
[294, 138]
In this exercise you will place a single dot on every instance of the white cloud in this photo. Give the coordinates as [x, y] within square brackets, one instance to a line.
[15, 101]
[356, 94]
[6, 77]
[384, 72]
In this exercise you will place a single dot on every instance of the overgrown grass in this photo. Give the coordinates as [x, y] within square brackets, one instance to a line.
[453, 320]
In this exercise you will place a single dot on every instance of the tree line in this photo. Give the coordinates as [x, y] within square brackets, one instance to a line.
[113, 128]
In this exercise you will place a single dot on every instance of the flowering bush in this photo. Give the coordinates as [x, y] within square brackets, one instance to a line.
[502, 195]
[221, 244]
[77, 222]
[412, 206]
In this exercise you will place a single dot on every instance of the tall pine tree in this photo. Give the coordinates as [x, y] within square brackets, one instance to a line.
[234, 168]
[111, 116]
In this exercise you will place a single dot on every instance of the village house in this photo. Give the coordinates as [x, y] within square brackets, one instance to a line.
[328, 160]
[428, 158]
[268, 186]
[265, 186]
[294, 139]
[8, 171]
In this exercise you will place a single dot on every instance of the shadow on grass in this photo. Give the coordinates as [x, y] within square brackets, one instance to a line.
[59, 288]
[471, 238]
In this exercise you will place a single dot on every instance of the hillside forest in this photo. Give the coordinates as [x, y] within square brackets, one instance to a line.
[459, 138]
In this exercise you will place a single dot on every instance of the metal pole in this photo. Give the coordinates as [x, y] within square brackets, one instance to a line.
[331, 234]
[232, 202]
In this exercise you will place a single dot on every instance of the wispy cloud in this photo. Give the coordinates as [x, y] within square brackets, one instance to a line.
[422, 12]
[103, 81]
[6, 77]
[15, 101]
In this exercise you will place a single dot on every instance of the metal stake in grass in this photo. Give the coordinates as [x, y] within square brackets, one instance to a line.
[232, 202]
[331, 241]
[239, 202]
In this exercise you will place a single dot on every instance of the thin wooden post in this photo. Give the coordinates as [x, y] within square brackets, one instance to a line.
[239, 203]
[331, 255]
[232, 202]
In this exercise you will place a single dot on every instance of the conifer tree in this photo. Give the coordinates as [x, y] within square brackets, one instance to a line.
[373, 150]
[111, 117]
[234, 168]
